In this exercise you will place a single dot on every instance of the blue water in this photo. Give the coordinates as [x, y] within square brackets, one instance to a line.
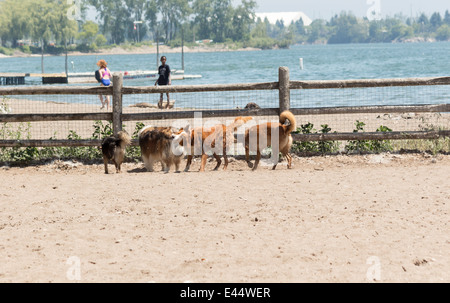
[321, 62]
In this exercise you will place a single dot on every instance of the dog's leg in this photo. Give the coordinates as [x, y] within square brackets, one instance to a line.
[219, 161]
[118, 159]
[225, 158]
[258, 157]
[176, 161]
[247, 156]
[275, 155]
[204, 158]
[163, 166]
[286, 152]
[188, 163]
[166, 165]
[289, 159]
[105, 162]
[148, 162]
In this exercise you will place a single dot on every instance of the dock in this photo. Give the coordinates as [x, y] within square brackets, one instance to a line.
[12, 78]
[130, 75]
[19, 78]
[85, 77]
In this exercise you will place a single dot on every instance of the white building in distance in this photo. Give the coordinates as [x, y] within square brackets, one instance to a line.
[287, 17]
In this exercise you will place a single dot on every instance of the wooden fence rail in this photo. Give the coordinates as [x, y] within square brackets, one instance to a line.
[284, 85]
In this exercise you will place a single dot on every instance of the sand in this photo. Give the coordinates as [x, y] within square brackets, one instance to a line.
[373, 218]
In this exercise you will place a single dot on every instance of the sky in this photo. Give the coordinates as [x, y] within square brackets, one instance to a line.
[325, 9]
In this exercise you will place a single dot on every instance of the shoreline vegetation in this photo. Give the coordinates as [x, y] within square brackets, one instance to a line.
[128, 49]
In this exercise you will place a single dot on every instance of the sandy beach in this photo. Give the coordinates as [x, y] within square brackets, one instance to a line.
[374, 218]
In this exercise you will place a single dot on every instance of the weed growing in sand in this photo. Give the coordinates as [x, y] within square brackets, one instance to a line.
[27, 154]
[321, 147]
[17, 154]
[376, 146]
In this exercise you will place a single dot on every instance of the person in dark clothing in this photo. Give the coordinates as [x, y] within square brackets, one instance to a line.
[164, 79]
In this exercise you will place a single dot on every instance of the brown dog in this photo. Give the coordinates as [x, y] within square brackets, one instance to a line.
[260, 136]
[156, 145]
[203, 140]
[113, 149]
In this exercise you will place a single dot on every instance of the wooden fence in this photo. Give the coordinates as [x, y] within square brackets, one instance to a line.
[284, 85]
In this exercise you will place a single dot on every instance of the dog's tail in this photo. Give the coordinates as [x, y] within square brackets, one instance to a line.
[123, 139]
[288, 116]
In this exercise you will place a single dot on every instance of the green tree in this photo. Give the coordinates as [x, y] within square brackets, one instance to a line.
[436, 20]
[114, 17]
[14, 20]
[88, 32]
[203, 11]
[447, 17]
[221, 22]
[137, 10]
[443, 33]
[347, 29]
[243, 17]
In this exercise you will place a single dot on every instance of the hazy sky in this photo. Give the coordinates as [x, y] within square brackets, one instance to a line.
[327, 8]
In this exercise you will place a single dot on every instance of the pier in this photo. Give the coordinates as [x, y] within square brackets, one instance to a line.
[86, 77]
[12, 79]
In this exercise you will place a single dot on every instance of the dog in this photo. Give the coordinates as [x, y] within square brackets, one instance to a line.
[264, 133]
[252, 105]
[216, 138]
[156, 145]
[113, 149]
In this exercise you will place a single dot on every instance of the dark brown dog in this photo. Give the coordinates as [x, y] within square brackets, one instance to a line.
[113, 149]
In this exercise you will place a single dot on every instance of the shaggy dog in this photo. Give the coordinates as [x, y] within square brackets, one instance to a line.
[113, 149]
[156, 145]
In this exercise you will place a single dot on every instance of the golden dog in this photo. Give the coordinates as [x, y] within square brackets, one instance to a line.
[263, 134]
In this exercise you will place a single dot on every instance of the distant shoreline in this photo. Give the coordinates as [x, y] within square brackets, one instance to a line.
[163, 49]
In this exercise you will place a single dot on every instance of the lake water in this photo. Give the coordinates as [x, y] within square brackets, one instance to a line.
[321, 62]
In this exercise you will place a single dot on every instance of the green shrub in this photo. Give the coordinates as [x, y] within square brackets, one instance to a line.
[320, 147]
[369, 145]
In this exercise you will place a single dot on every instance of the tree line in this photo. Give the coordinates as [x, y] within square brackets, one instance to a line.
[47, 24]
[347, 28]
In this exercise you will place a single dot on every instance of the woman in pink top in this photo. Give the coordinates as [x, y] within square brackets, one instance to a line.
[105, 77]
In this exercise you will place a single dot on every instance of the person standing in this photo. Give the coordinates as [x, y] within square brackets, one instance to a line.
[164, 79]
[105, 80]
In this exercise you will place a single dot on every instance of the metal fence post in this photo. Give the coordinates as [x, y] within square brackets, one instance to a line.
[117, 103]
[284, 89]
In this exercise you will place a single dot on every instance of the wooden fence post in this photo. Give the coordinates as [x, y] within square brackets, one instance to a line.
[117, 103]
[284, 89]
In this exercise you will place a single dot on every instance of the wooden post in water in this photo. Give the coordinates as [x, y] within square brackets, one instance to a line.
[284, 89]
[157, 48]
[117, 103]
[182, 48]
